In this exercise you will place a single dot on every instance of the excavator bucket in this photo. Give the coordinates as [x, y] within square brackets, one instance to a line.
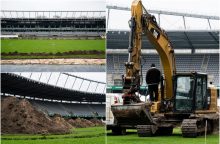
[132, 114]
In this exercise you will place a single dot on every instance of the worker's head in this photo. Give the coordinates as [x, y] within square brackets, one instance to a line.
[153, 65]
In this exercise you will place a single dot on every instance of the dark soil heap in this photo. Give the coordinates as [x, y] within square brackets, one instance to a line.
[80, 123]
[19, 116]
[97, 122]
[83, 123]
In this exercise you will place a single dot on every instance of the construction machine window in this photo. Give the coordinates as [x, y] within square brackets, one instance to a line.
[201, 97]
[184, 93]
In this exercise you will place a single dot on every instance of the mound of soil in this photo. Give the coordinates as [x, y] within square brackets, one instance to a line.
[80, 123]
[83, 123]
[97, 122]
[19, 116]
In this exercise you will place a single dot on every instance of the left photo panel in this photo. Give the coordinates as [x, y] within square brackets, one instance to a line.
[53, 71]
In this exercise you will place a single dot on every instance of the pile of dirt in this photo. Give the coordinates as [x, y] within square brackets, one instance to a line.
[83, 123]
[97, 122]
[80, 123]
[19, 116]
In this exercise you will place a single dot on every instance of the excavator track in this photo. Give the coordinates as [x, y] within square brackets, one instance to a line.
[146, 130]
[189, 128]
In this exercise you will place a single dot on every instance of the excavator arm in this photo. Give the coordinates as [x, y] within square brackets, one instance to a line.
[144, 23]
[132, 77]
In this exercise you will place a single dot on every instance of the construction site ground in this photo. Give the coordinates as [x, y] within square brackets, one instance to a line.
[24, 123]
[176, 138]
[55, 61]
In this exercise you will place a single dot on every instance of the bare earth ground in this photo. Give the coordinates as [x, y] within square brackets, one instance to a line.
[56, 61]
[18, 116]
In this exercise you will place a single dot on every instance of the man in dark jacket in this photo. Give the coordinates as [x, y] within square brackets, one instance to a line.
[153, 79]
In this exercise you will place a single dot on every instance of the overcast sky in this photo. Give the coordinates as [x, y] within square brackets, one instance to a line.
[68, 5]
[204, 7]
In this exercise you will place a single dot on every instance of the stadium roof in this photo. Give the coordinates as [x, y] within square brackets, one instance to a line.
[18, 85]
[52, 14]
[167, 13]
[181, 40]
[168, 19]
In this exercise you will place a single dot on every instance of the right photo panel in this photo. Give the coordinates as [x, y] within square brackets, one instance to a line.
[162, 71]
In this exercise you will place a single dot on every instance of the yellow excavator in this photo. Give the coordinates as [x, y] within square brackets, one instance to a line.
[184, 100]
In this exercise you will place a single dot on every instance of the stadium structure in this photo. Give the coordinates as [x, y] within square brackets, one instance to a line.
[51, 24]
[69, 95]
[195, 50]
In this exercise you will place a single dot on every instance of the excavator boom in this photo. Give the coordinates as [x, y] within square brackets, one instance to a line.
[133, 111]
[142, 22]
[163, 46]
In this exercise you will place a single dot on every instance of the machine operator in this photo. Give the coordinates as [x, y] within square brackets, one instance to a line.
[153, 79]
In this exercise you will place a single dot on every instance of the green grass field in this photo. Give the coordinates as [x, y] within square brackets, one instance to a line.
[92, 135]
[96, 135]
[176, 138]
[37, 48]
[49, 46]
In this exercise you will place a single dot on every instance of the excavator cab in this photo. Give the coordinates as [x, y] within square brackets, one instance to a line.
[190, 92]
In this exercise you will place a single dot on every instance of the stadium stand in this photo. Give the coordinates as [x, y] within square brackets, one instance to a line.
[70, 109]
[187, 59]
[53, 23]
[180, 39]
